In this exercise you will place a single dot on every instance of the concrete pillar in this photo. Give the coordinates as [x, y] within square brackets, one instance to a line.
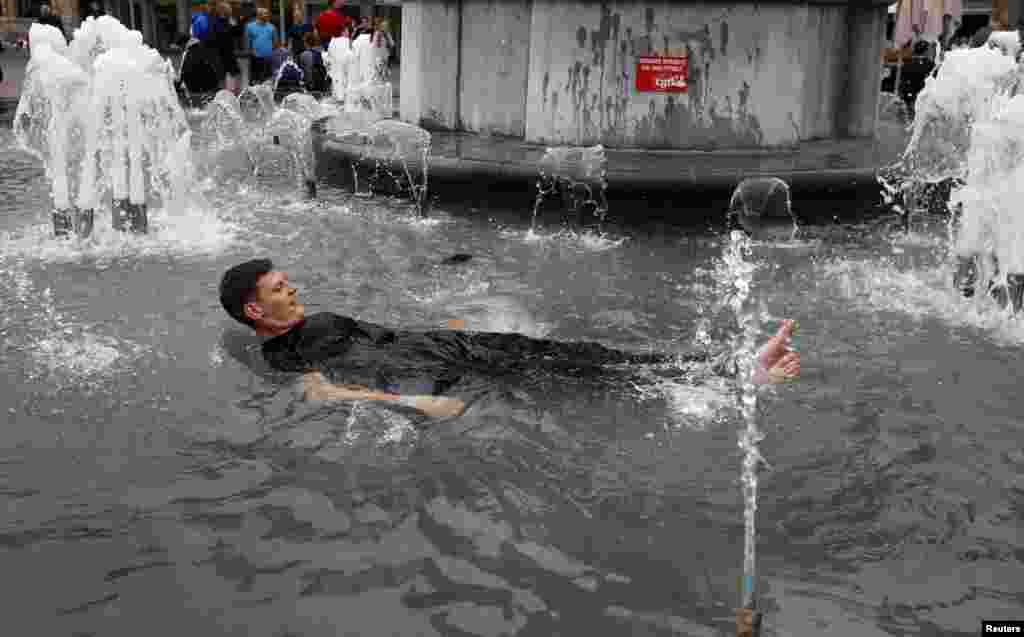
[429, 91]
[495, 58]
[1015, 14]
[858, 110]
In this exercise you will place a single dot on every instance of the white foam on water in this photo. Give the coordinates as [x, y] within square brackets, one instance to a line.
[193, 232]
[59, 348]
[587, 240]
[81, 356]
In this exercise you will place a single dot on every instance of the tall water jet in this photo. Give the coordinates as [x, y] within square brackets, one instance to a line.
[736, 270]
[577, 176]
[223, 128]
[291, 130]
[253, 120]
[103, 116]
[969, 133]
[50, 123]
[358, 71]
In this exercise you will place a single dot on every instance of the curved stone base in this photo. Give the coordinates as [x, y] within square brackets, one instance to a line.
[467, 168]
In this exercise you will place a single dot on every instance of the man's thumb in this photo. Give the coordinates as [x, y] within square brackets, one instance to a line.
[786, 330]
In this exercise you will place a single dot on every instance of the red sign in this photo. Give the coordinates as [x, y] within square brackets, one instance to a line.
[662, 74]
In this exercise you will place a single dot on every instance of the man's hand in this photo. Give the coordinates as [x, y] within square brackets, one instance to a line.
[318, 388]
[776, 364]
[438, 406]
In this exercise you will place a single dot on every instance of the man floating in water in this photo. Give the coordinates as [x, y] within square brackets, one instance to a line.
[345, 359]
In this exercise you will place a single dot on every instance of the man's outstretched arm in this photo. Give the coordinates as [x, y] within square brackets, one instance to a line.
[318, 388]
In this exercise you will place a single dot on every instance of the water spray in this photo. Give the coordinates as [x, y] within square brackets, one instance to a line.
[739, 273]
[759, 208]
[577, 174]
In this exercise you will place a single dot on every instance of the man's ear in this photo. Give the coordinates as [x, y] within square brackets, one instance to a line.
[253, 311]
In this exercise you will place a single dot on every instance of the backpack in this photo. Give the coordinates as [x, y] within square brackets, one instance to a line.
[201, 69]
[317, 80]
[290, 73]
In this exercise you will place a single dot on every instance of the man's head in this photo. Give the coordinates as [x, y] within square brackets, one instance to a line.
[44, 10]
[255, 294]
[263, 15]
[339, 5]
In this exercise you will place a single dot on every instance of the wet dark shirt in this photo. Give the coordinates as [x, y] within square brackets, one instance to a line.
[430, 362]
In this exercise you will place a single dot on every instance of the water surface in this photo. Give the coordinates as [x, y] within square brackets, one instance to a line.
[155, 484]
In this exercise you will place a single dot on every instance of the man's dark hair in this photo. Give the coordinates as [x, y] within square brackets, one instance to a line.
[238, 287]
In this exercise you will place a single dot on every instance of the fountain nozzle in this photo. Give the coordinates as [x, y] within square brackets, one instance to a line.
[748, 622]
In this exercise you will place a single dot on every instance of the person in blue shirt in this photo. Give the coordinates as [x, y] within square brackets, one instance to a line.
[200, 21]
[260, 37]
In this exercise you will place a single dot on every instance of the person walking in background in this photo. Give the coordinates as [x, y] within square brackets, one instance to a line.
[45, 17]
[260, 37]
[386, 39]
[200, 29]
[331, 23]
[313, 68]
[223, 32]
[297, 32]
[364, 28]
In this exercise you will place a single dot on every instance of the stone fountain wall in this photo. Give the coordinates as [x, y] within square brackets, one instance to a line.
[761, 75]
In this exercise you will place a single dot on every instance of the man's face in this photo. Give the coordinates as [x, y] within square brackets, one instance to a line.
[275, 301]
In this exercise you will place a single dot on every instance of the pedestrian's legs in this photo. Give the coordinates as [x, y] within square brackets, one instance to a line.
[260, 70]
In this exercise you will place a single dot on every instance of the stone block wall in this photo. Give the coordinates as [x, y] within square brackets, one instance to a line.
[761, 75]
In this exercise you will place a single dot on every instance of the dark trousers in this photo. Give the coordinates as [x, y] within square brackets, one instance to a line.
[259, 70]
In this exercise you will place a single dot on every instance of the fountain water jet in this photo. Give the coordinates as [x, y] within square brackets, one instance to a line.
[761, 207]
[968, 137]
[253, 119]
[381, 157]
[577, 175]
[103, 116]
[358, 71]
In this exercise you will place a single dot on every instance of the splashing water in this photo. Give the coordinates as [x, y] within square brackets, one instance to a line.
[358, 71]
[968, 133]
[735, 270]
[578, 176]
[252, 122]
[103, 117]
[385, 156]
